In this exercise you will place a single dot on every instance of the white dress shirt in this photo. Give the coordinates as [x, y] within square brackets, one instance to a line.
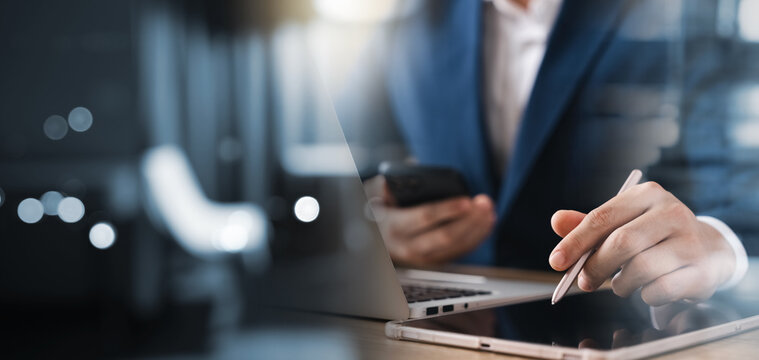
[514, 43]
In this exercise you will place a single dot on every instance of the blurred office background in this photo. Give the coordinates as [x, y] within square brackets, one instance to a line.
[155, 156]
[729, 32]
[158, 156]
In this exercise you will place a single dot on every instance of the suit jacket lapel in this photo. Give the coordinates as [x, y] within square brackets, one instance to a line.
[581, 28]
[434, 84]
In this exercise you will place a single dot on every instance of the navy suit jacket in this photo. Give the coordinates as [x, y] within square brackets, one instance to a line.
[594, 114]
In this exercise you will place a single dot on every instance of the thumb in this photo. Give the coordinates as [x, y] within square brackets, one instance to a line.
[563, 221]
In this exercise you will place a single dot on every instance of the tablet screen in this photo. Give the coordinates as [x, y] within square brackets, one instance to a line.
[599, 320]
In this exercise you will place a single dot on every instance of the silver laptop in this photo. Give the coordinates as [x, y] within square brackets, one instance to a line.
[430, 293]
[339, 264]
[360, 280]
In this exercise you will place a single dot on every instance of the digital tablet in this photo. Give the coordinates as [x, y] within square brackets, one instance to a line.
[596, 325]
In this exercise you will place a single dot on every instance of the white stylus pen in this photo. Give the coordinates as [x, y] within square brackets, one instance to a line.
[571, 274]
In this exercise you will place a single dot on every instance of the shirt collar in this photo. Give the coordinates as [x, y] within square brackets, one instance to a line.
[535, 8]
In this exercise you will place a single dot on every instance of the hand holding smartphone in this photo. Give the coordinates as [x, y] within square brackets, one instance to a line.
[428, 215]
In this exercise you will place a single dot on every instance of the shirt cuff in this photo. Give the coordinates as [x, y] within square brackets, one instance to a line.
[741, 259]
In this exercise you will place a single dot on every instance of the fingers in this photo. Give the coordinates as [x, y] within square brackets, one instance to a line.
[455, 238]
[654, 238]
[686, 283]
[375, 186]
[622, 338]
[622, 245]
[661, 316]
[600, 222]
[588, 343]
[407, 222]
[564, 221]
[647, 266]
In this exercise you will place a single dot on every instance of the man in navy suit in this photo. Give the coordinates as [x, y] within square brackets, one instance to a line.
[545, 105]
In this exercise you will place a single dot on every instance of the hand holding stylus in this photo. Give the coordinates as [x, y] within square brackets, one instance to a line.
[571, 274]
[659, 244]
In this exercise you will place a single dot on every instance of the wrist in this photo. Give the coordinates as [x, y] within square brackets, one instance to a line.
[721, 256]
[739, 259]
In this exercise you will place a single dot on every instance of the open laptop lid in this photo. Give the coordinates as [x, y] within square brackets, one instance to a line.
[329, 256]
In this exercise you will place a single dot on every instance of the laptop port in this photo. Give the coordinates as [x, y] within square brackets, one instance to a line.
[447, 308]
[432, 310]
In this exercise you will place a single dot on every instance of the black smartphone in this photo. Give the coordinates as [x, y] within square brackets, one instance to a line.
[417, 184]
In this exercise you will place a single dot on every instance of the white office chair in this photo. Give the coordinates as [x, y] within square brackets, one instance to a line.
[203, 227]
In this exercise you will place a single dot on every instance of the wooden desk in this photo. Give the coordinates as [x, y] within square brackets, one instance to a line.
[368, 336]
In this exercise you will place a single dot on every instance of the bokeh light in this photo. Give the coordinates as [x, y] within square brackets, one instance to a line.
[80, 119]
[363, 11]
[748, 19]
[70, 210]
[745, 134]
[50, 201]
[102, 235]
[55, 127]
[233, 238]
[30, 210]
[306, 209]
